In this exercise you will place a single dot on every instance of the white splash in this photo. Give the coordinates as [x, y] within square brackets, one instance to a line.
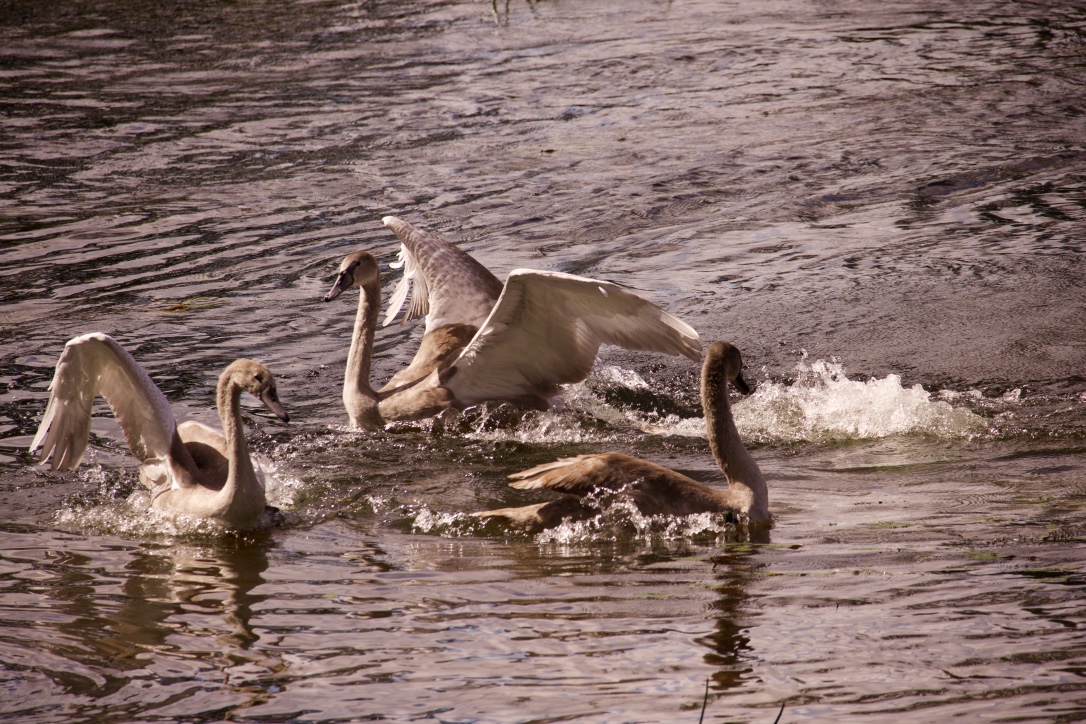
[280, 489]
[621, 520]
[618, 376]
[452, 525]
[824, 404]
[134, 517]
[821, 405]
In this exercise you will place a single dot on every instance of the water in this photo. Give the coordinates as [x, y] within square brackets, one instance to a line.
[881, 204]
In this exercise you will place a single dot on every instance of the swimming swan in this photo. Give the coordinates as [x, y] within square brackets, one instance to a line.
[192, 468]
[656, 490]
[485, 341]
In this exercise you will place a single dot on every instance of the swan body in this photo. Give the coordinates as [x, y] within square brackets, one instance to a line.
[487, 341]
[654, 489]
[192, 468]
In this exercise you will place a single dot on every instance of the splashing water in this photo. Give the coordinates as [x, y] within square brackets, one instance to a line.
[281, 488]
[107, 511]
[620, 520]
[822, 405]
[451, 525]
[135, 518]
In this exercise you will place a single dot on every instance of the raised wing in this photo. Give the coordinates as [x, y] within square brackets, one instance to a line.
[546, 330]
[576, 476]
[95, 364]
[446, 284]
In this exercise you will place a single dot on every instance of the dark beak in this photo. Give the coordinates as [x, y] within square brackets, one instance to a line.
[271, 401]
[741, 384]
[343, 283]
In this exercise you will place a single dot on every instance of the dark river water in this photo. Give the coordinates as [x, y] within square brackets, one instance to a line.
[882, 204]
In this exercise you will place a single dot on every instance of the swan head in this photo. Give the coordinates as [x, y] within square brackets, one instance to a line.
[356, 270]
[257, 380]
[725, 356]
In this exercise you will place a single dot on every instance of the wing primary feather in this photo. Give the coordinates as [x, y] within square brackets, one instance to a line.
[545, 467]
[546, 330]
[43, 428]
[449, 286]
[91, 364]
[411, 278]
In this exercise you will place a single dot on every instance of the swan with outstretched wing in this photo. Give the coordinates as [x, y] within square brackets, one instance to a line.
[542, 330]
[192, 468]
[590, 482]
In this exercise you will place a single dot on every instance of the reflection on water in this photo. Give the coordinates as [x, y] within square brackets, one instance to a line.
[881, 205]
[124, 618]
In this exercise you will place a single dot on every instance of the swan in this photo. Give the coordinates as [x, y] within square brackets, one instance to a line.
[488, 341]
[656, 490]
[192, 468]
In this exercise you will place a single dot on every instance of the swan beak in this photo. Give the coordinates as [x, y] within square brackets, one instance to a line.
[741, 384]
[271, 400]
[343, 283]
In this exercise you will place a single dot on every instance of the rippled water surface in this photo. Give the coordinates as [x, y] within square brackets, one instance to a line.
[881, 204]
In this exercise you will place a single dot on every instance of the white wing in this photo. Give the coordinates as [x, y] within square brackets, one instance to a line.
[92, 364]
[449, 287]
[546, 330]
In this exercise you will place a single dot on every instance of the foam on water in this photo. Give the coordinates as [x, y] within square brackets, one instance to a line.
[620, 520]
[822, 404]
[107, 512]
[135, 518]
[426, 520]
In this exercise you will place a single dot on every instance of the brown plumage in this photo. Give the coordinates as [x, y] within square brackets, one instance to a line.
[654, 489]
[488, 342]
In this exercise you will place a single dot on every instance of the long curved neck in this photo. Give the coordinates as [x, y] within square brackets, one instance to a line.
[242, 489]
[358, 396]
[744, 478]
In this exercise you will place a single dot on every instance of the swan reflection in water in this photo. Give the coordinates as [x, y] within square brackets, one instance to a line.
[199, 593]
[729, 644]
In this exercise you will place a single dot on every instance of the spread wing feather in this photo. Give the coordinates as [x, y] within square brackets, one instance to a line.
[95, 364]
[586, 474]
[412, 279]
[546, 330]
[446, 284]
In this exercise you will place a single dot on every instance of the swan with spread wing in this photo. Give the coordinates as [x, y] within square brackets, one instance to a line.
[192, 468]
[654, 489]
[488, 341]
